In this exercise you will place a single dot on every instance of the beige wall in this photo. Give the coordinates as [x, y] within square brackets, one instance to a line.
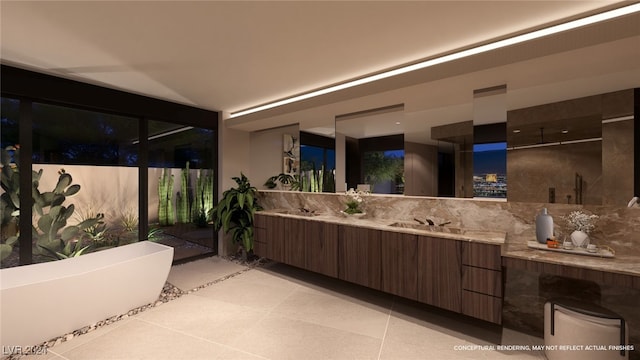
[234, 157]
[103, 189]
[266, 157]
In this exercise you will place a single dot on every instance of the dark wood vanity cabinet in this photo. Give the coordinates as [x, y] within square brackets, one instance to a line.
[266, 228]
[311, 245]
[294, 242]
[269, 237]
[439, 272]
[460, 276]
[482, 281]
[321, 245]
[260, 235]
[359, 255]
[399, 261]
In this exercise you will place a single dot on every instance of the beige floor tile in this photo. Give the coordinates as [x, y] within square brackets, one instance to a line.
[447, 323]
[256, 291]
[193, 274]
[234, 354]
[344, 313]
[399, 350]
[141, 340]
[85, 338]
[420, 337]
[282, 338]
[218, 321]
[319, 284]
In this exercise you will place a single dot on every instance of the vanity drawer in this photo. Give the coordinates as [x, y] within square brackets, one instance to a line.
[480, 306]
[481, 280]
[482, 255]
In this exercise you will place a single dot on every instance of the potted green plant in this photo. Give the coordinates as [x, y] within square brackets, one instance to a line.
[285, 179]
[235, 212]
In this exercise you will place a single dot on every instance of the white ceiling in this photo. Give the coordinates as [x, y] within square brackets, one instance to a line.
[230, 55]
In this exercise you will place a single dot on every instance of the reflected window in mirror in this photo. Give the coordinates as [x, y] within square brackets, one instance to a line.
[490, 170]
[317, 163]
[377, 162]
[384, 171]
[490, 160]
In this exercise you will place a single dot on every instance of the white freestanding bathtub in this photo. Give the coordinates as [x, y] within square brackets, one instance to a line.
[42, 301]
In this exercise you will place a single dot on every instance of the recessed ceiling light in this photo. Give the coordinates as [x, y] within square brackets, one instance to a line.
[607, 15]
[565, 131]
[516, 131]
[397, 122]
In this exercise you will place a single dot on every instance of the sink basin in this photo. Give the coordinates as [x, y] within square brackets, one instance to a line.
[298, 212]
[428, 228]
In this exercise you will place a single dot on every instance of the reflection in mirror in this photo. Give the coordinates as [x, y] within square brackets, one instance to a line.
[382, 164]
[370, 150]
[459, 138]
[490, 161]
[317, 162]
[577, 151]
[489, 142]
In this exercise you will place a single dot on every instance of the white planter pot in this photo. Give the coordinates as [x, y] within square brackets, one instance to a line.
[580, 238]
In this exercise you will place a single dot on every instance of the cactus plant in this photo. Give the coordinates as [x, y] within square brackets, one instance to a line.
[10, 198]
[165, 206]
[182, 197]
[203, 201]
[52, 232]
[321, 179]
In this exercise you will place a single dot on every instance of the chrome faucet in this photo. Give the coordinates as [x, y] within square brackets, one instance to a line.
[429, 221]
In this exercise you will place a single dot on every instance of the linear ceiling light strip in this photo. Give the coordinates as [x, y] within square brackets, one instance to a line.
[612, 14]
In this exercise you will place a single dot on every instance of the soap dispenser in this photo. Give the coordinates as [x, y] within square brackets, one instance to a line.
[544, 226]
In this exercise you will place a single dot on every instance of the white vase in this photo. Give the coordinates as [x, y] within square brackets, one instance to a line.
[580, 238]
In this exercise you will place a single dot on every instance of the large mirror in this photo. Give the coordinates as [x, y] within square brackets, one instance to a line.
[577, 151]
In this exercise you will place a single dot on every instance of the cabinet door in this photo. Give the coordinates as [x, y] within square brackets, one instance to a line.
[485, 256]
[260, 235]
[359, 255]
[321, 247]
[275, 238]
[439, 272]
[481, 306]
[399, 254]
[294, 243]
[268, 237]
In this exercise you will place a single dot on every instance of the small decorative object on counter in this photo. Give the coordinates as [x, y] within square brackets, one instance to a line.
[355, 199]
[544, 226]
[553, 243]
[581, 225]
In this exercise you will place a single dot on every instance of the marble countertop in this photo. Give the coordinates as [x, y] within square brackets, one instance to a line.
[621, 263]
[401, 226]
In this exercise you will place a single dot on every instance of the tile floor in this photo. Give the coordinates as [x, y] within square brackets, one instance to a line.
[279, 312]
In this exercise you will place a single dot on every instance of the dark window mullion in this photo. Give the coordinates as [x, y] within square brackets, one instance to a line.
[25, 126]
[143, 179]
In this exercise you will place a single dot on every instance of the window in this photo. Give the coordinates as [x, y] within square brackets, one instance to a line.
[95, 146]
